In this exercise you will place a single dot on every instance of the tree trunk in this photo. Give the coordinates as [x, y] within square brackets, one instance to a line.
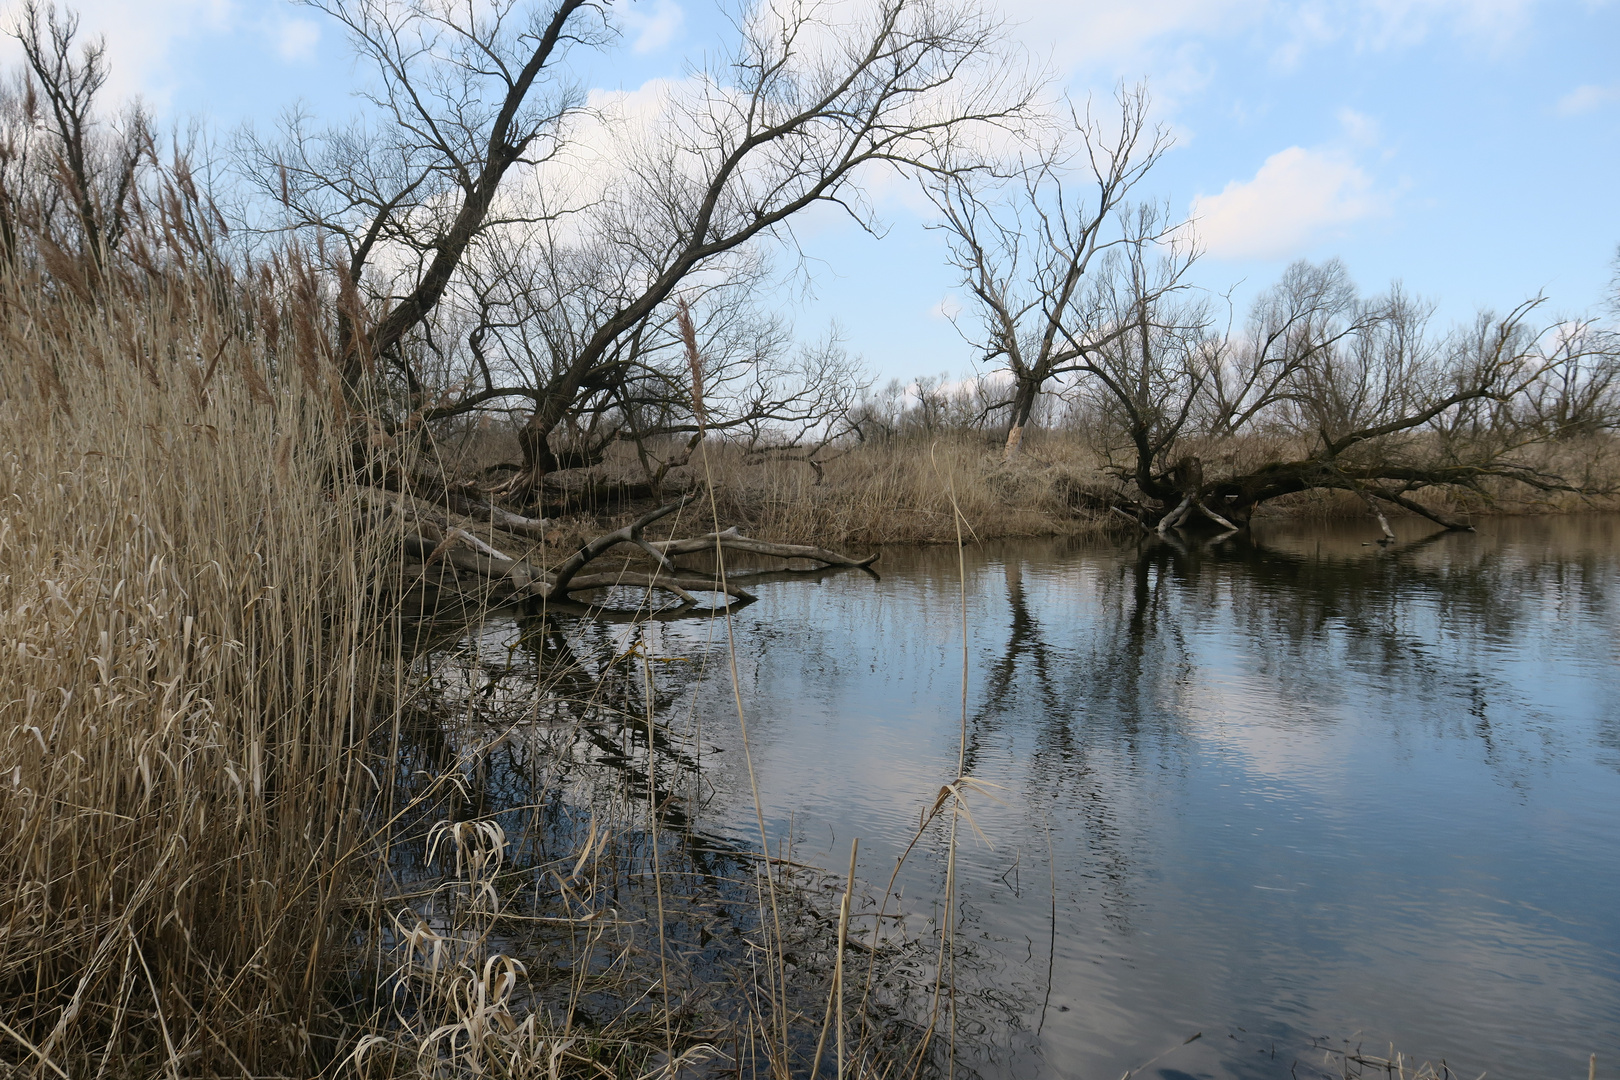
[1424, 511]
[538, 460]
[1023, 406]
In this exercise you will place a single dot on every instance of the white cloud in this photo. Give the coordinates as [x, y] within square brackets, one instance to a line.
[1307, 27]
[948, 308]
[1359, 128]
[138, 36]
[1297, 197]
[651, 29]
[1378, 25]
[1585, 99]
[1114, 33]
[296, 40]
[1400, 23]
[1122, 38]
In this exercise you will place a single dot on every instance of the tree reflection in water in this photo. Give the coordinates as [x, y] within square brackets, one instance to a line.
[1293, 785]
[1296, 784]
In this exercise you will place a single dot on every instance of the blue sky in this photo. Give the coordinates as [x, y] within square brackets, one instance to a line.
[1470, 148]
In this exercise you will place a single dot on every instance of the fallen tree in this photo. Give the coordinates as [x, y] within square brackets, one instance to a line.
[1328, 391]
[431, 539]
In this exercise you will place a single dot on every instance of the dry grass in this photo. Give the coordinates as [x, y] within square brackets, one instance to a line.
[888, 492]
[225, 848]
[187, 656]
[901, 492]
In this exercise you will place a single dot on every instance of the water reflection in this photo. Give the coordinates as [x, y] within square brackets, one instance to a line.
[1264, 789]
[1293, 787]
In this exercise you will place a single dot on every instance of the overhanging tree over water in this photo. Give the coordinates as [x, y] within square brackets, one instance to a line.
[1329, 390]
[1321, 388]
[477, 288]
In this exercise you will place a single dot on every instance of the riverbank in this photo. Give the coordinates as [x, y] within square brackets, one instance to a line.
[902, 491]
[250, 828]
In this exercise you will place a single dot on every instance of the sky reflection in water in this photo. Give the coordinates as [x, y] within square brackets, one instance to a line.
[1299, 788]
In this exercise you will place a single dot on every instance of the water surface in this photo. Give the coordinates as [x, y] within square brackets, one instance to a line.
[1272, 790]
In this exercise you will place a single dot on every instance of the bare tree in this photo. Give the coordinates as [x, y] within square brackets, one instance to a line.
[807, 101]
[534, 298]
[1327, 390]
[801, 108]
[1146, 364]
[463, 94]
[1321, 389]
[74, 175]
[1026, 243]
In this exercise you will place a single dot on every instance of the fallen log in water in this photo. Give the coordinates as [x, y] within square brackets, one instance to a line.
[461, 503]
[438, 540]
[630, 534]
[496, 567]
[735, 541]
[525, 580]
[682, 587]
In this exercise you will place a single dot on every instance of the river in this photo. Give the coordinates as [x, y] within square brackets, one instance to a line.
[1294, 787]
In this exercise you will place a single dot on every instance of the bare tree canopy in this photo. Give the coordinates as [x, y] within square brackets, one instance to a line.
[1326, 389]
[1028, 244]
[462, 94]
[1075, 288]
[500, 243]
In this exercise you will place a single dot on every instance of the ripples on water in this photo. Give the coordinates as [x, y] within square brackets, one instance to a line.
[1292, 788]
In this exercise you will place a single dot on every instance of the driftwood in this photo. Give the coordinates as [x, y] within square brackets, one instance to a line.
[438, 540]
[461, 503]
[630, 534]
[735, 541]
[678, 586]
[453, 535]
[1173, 518]
[1213, 516]
[1383, 522]
[493, 567]
[1131, 518]
[527, 581]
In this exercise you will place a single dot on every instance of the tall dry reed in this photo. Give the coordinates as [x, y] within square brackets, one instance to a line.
[186, 659]
[196, 852]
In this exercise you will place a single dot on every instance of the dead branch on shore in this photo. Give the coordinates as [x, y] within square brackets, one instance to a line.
[433, 539]
[736, 541]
